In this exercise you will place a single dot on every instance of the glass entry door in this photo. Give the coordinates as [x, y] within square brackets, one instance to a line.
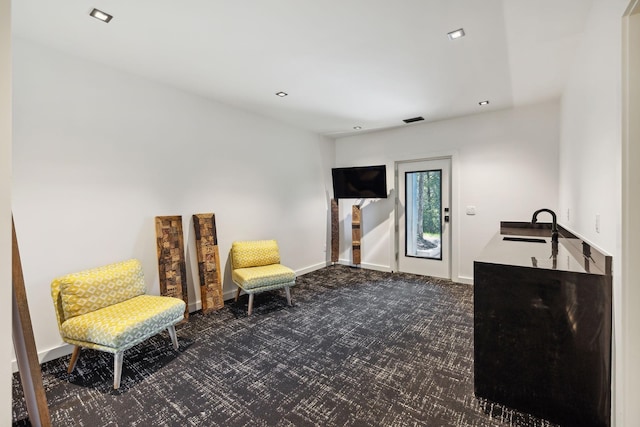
[424, 217]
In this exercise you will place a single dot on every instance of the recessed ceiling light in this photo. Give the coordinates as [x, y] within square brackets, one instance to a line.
[282, 94]
[357, 127]
[98, 14]
[456, 34]
[483, 102]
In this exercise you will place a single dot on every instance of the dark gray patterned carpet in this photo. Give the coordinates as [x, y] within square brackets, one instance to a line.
[358, 348]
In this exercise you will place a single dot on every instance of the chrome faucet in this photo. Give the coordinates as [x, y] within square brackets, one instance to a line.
[554, 224]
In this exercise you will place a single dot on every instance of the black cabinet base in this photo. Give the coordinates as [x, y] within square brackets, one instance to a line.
[542, 342]
[542, 326]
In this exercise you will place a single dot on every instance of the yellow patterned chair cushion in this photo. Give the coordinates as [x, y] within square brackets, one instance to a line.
[265, 276]
[123, 325]
[255, 253]
[93, 289]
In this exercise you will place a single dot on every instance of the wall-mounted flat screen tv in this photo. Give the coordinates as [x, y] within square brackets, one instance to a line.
[365, 182]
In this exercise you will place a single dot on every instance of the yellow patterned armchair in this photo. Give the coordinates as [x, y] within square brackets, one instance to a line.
[256, 268]
[106, 309]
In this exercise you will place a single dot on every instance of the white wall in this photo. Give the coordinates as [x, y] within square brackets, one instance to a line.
[590, 130]
[5, 210]
[590, 181]
[98, 154]
[505, 164]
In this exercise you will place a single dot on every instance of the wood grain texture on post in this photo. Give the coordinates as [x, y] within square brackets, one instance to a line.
[208, 262]
[172, 268]
[25, 345]
[335, 230]
[356, 233]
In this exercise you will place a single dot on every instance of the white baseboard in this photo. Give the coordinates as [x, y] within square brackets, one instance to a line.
[385, 268]
[366, 265]
[48, 355]
[465, 280]
[311, 268]
[376, 267]
[195, 306]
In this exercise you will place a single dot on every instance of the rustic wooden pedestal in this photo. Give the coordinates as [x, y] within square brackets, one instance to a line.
[335, 227]
[208, 262]
[356, 233]
[172, 268]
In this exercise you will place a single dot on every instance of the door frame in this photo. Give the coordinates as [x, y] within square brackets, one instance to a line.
[454, 247]
[626, 342]
[436, 267]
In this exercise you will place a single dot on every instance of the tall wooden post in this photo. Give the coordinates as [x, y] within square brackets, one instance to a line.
[356, 233]
[208, 262]
[25, 345]
[335, 233]
[172, 268]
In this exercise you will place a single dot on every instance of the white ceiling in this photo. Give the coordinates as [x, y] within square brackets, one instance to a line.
[344, 63]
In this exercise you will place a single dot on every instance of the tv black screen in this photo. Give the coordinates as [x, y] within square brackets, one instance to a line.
[367, 182]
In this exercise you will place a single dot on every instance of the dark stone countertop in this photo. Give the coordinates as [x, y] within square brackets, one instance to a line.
[570, 254]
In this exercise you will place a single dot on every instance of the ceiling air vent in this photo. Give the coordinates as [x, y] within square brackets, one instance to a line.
[414, 119]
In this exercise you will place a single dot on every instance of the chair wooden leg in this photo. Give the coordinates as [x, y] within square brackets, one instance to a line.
[172, 333]
[288, 292]
[238, 294]
[74, 359]
[117, 369]
[250, 305]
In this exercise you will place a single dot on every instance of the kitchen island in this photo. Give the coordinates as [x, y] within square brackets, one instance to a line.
[542, 325]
